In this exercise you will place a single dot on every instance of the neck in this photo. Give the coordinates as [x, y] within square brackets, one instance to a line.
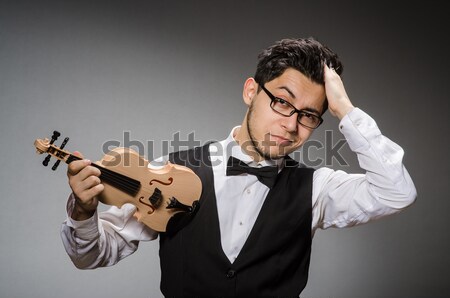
[242, 137]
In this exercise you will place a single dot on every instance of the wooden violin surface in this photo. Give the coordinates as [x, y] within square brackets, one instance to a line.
[170, 181]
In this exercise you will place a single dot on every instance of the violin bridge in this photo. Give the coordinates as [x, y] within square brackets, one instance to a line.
[156, 198]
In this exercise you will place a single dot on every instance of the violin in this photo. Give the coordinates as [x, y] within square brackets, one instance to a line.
[157, 194]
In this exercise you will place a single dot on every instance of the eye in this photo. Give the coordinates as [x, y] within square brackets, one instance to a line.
[308, 115]
[308, 118]
[282, 101]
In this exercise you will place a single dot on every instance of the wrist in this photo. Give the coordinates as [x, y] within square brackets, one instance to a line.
[80, 213]
[344, 111]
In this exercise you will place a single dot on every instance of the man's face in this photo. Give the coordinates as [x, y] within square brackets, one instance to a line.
[273, 135]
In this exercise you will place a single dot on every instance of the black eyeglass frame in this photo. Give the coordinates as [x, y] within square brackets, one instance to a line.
[294, 110]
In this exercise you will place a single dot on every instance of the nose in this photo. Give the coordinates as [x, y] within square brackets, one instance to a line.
[290, 123]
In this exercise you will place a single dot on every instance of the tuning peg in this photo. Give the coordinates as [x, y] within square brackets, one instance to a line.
[55, 136]
[61, 147]
[46, 160]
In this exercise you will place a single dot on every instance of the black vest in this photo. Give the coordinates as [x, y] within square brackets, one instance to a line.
[274, 261]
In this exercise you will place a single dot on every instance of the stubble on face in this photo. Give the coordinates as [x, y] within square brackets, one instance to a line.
[261, 148]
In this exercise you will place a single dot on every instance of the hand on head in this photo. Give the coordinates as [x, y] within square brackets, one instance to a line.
[338, 102]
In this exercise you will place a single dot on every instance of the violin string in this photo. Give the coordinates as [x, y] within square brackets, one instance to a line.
[120, 176]
[117, 183]
[119, 179]
[122, 182]
[129, 185]
[125, 183]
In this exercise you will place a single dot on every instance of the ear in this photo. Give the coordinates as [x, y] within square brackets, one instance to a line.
[250, 90]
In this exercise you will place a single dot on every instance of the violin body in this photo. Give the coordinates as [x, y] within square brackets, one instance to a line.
[157, 194]
[172, 180]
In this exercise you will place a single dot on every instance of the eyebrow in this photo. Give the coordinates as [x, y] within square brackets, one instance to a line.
[288, 91]
[312, 110]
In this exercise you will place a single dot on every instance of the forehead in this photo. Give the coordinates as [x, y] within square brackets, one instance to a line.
[299, 89]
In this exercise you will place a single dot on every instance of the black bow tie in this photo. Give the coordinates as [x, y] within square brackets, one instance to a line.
[266, 175]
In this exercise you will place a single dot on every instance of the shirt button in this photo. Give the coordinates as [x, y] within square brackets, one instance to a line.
[241, 223]
[231, 273]
[248, 191]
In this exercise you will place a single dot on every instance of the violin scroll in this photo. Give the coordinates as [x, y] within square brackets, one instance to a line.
[47, 146]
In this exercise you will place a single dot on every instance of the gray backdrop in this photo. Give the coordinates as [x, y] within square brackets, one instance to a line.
[96, 70]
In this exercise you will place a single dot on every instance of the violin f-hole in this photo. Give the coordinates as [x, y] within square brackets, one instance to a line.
[155, 200]
[152, 209]
[170, 179]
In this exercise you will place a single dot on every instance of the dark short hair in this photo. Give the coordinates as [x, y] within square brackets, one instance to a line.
[306, 55]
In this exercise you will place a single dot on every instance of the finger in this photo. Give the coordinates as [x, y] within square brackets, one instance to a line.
[87, 172]
[87, 189]
[78, 154]
[94, 191]
[90, 182]
[84, 180]
[76, 166]
[89, 201]
[328, 69]
[89, 197]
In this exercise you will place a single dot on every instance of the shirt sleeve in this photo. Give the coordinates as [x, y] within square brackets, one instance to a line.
[342, 200]
[105, 238]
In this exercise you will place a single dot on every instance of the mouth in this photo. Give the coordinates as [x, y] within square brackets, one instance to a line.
[279, 140]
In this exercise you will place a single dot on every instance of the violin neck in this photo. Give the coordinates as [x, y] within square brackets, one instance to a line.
[119, 181]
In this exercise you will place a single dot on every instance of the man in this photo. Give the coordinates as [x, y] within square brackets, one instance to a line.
[251, 235]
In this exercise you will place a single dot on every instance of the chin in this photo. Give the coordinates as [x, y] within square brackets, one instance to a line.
[283, 151]
[279, 153]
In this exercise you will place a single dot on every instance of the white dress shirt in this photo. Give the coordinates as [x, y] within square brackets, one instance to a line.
[338, 199]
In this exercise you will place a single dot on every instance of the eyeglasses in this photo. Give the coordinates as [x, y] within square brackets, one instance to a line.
[285, 108]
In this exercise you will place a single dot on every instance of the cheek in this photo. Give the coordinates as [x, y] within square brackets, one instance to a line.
[260, 118]
[303, 135]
